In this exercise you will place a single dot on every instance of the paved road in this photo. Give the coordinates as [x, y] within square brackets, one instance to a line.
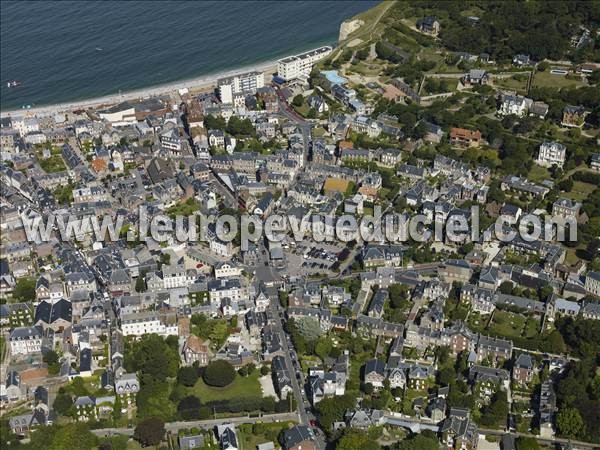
[205, 424]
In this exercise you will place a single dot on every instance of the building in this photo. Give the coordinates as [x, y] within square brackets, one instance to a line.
[573, 116]
[566, 207]
[465, 138]
[195, 350]
[595, 162]
[299, 437]
[25, 340]
[515, 105]
[299, 66]
[592, 283]
[551, 153]
[476, 77]
[523, 369]
[429, 25]
[244, 83]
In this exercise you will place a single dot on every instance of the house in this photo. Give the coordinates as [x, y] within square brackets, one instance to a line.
[455, 270]
[436, 409]
[515, 105]
[459, 431]
[281, 377]
[595, 162]
[25, 340]
[592, 283]
[590, 310]
[551, 153]
[12, 386]
[573, 116]
[195, 350]
[566, 207]
[57, 316]
[227, 437]
[476, 77]
[465, 138]
[521, 60]
[374, 372]
[547, 409]
[523, 367]
[299, 437]
[429, 25]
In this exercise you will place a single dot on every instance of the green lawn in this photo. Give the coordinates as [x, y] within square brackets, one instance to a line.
[546, 79]
[241, 387]
[507, 324]
[53, 164]
[580, 191]
[2, 345]
[516, 82]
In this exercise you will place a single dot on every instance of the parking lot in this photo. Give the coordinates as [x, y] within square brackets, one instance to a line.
[313, 258]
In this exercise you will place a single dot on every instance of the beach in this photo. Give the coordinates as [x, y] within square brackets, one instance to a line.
[200, 83]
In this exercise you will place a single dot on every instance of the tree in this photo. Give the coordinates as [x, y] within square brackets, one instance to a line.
[506, 287]
[555, 343]
[427, 440]
[63, 403]
[527, 443]
[298, 100]
[265, 370]
[149, 431]
[51, 358]
[569, 422]
[356, 440]
[187, 376]
[218, 373]
[152, 355]
[189, 408]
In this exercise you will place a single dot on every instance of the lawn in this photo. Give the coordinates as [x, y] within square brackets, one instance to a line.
[2, 345]
[537, 174]
[516, 82]
[251, 435]
[240, 388]
[53, 164]
[506, 323]
[580, 191]
[546, 79]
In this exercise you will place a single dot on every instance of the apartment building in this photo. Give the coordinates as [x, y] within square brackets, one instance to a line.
[243, 83]
[148, 322]
[299, 66]
[25, 340]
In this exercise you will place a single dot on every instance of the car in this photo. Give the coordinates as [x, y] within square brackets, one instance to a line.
[313, 423]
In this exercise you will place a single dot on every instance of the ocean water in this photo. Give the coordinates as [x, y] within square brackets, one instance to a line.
[65, 51]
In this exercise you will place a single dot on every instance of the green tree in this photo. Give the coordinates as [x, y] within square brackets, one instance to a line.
[219, 373]
[152, 355]
[187, 376]
[62, 403]
[356, 440]
[569, 422]
[265, 370]
[527, 443]
[298, 100]
[51, 358]
[149, 431]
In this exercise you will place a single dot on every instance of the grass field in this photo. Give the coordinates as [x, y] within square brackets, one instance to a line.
[241, 387]
[509, 324]
[580, 191]
[514, 83]
[546, 79]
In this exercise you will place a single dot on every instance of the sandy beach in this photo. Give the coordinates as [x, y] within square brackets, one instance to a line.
[199, 83]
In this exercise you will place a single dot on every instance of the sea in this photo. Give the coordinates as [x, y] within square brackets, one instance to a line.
[64, 51]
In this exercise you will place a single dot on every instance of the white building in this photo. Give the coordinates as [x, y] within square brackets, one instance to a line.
[25, 125]
[592, 283]
[551, 153]
[25, 340]
[515, 104]
[146, 322]
[243, 83]
[299, 66]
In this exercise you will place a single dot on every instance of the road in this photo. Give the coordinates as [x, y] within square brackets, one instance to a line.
[174, 427]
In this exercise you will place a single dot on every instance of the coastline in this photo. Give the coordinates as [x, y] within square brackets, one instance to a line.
[198, 83]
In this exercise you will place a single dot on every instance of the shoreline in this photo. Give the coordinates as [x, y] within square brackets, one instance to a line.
[200, 82]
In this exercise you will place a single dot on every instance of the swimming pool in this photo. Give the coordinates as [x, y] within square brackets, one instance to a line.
[333, 77]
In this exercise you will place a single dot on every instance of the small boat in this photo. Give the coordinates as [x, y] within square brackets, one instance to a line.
[98, 49]
[13, 83]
